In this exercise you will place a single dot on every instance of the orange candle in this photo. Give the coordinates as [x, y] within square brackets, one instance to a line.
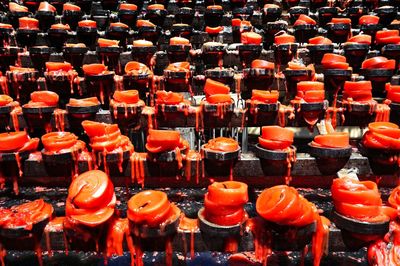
[251, 38]
[42, 99]
[259, 96]
[85, 102]
[222, 144]
[61, 142]
[378, 62]
[276, 138]
[28, 23]
[164, 140]
[107, 42]
[94, 69]
[129, 96]
[71, 7]
[87, 23]
[17, 141]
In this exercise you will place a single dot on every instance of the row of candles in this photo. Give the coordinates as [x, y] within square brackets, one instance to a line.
[91, 222]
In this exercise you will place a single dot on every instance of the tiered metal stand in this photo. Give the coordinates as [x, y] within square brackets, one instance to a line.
[188, 190]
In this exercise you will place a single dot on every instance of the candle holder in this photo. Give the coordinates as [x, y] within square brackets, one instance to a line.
[38, 119]
[217, 115]
[166, 164]
[58, 4]
[359, 114]
[371, 29]
[109, 56]
[11, 163]
[308, 114]
[128, 17]
[57, 38]
[284, 53]
[61, 164]
[378, 77]
[330, 160]
[357, 234]
[118, 33]
[338, 32]
[261, 114]
[185, 15]
[39, 56]
[72, 17]
[150, 33]
[5, 117]
[272, 28]
[213, 17]
[177, 81]
[292, 77]
[75, 235]
[22, 84]
[102, 18]
[5, 36]
[275, 162]
[215, 235]
[78, 114]
[212, 55]
[392, 51]
[394, 112]
[127, 116]
[386, 14]
[75, 55]
[113, 163]
[334, 80]
[238, 30]
[143, 54]
[304, 33]
[381, 161]
[156, 16]
[140, 82]
[256, 79]
[325, 15]
[355, 13]
[8, 57]
[178, 52]
[181, 30]
[61, 83]
[317, 51]
[87, 35]
[355, 54]
[271, 14]
[219, 163]
[26, 37]
[85, 5]
[248, 53]
[296, 11]
[14, 16]
[100, 86]
[171, 115]
[110, 4]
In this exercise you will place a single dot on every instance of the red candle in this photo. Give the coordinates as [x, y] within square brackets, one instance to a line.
[382, 135]
[87, 23]
[164, 140]
[151, 208]
[60, 26]
[58, 66]
[303, 87]
[214, 7]
[107, 42]
[169, 97]
[359, 91]
[144, 23]
[260, 96]
[179, 41]
[71, 7]
[251, 38]
[214, 30]
[387, 36]
[368, 20]
[284, 39]
[91, 199]
[130, 7]
[361, 38]
[332, 140]
[119, 25]
[136, 68]
[214, 87]
[128, 96]
[142, 43]
[378, 62]
[179, 67]
[334, 61]
[319, 40]
[341, 21]
[21, 69]
[43, 98]
[45, 6]
[5, 26]
[5, 100]
[393, 92]
[156, 7]
[17, 142]
[94, 69]
[222, 144]
[14, 7]
[276, 138]
[304, 20]
[62, 142]
[28, 23]
[223, 204]
[258, 63]
[86, 102]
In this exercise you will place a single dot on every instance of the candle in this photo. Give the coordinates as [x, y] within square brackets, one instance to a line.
[136, 68]
[128, 96]
[361, 38]
[212, 87]
[284, 39]
[214, 30]
[304, 20]
[5, 100]
[224, 201]
[393, 92]
[85, 102]
[214, 7]
[332, 140]
[87, 23]
[71, 7]
[319, 40]
[164, 140]
[28, 23]
[119, 25]
[358, 91]
[276, 138]
[260, 96]
[311, 91]
[168, 97]
[58, 66]
[62, 142]
[21, 69]
[382, 135]
[14, 7]
[222, 144]
[156, 7]
[258, 63]
[17, 142]
[179, 67]
[340, 21]
[142, 43]
[250, 38]
[60, 26]
[94, 69]
[179, 41]
[378, 62]
[387, 36]
[130, 7]
[144, 23]
[5, 26]
[107, 42]
[91, 199]
[45, 6]
[42, 99]
[368, 20]
[334, 61]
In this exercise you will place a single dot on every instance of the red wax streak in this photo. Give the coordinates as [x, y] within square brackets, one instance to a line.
[332, 140]
[86, 102]
[359, 200]
[223, 204]
[94, 69]
[45, 6]
[334, 61]
[362, 38]
[258, 63]
[304, 20]
[71, 7]
[319, 40]
[260, 96]
[191, 225]
[284, 206]
[14, 7]
[107, 43]
[118, 230]
[137, 168]
[378, 62]
[42, 99]
[60, 26]
[276, 138]
[164, 140]
[393, 92]
[28, 23]
[87, 23]
[222, 144]
[125, 6]
[179, 41]
[250, 38]
[382, 135]
[368, 19]
[144, 23]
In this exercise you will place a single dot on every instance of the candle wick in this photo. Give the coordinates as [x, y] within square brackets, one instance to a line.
[225, 186]
[144, 205]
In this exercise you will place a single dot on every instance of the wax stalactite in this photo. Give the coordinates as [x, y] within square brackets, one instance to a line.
[17, 142]
[284, 206]
[107, 139]
[137, 168]
[191, 225]
[152, 209]
[90, 206]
